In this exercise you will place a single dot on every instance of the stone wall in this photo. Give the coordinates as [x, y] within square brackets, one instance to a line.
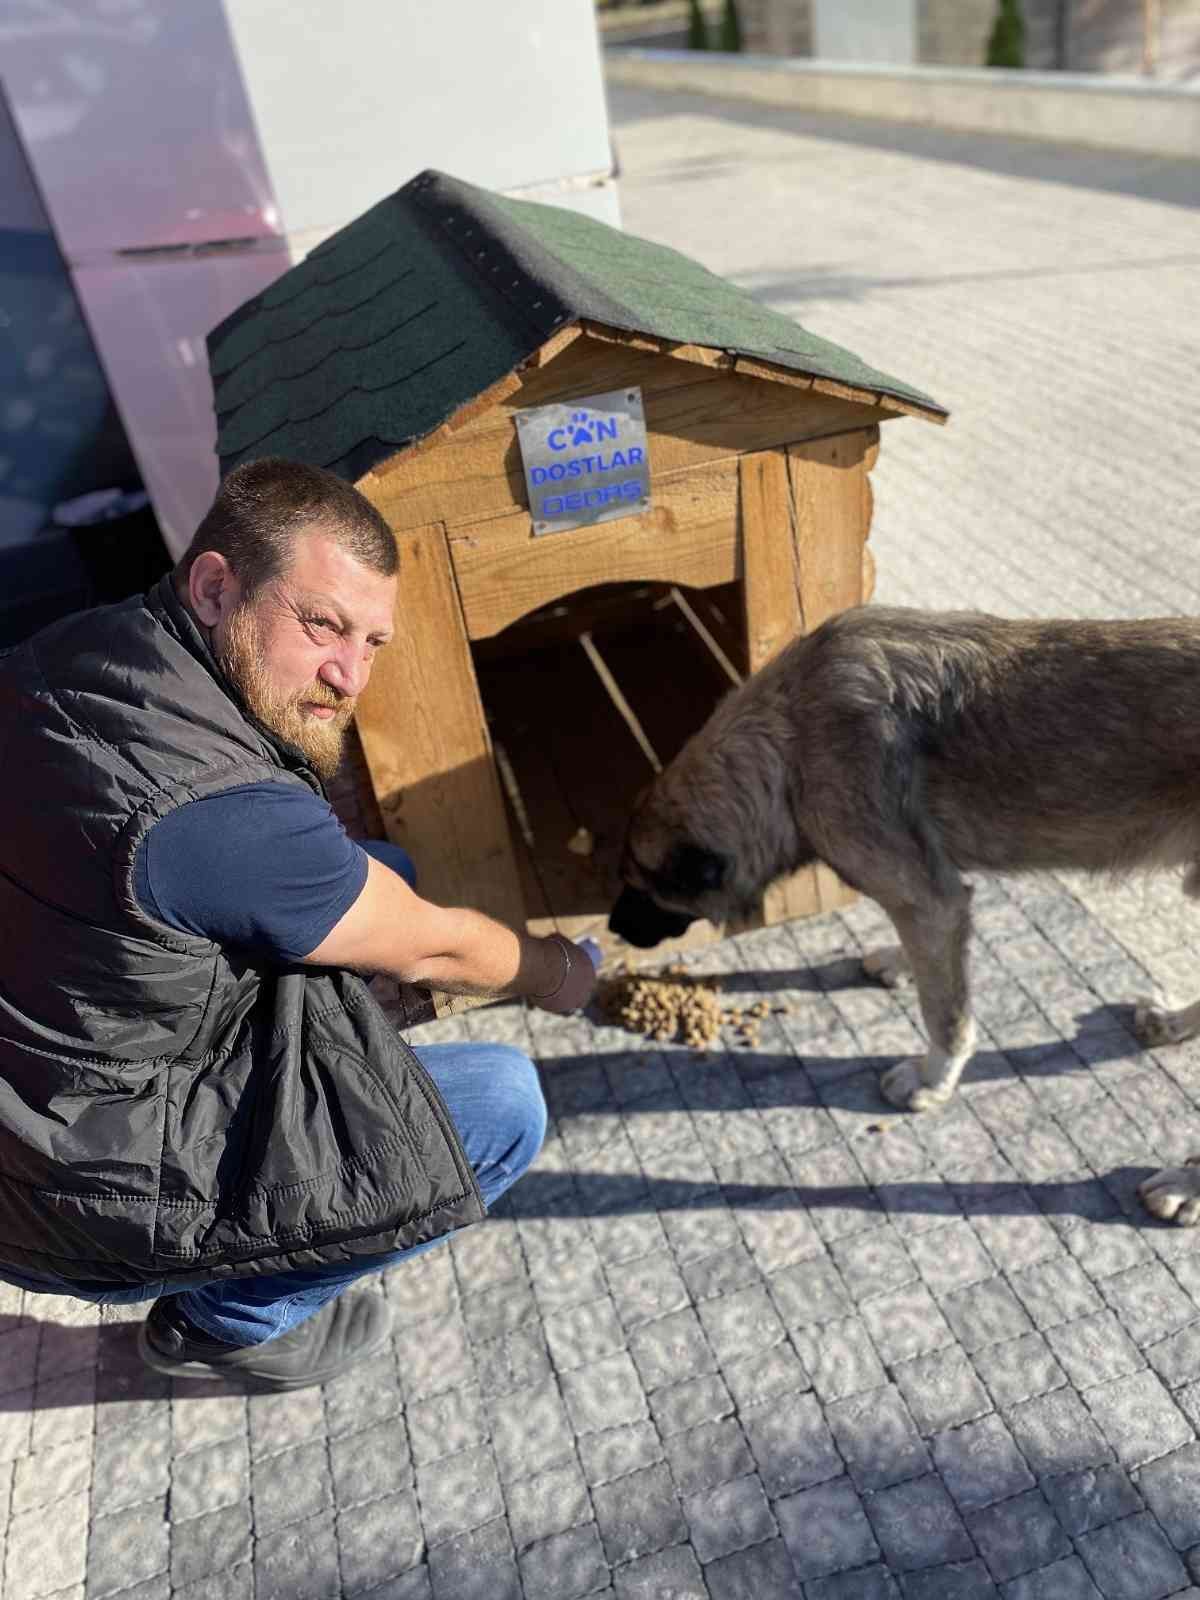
[1102, 35]
[953, 33]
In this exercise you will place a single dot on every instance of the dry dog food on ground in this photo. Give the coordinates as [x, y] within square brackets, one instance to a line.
[678, 1004]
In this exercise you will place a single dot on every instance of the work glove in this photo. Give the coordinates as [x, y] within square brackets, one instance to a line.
[574, 990]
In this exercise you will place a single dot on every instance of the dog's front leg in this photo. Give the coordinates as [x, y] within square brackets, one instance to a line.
[935, 937]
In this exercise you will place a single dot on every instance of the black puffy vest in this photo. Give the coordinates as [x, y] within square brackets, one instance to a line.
[170, 1109]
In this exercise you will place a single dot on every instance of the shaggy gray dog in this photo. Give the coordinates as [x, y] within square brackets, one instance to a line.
[906, 748]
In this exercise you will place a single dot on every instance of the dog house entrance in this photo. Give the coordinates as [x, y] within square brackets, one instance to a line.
[584, 701]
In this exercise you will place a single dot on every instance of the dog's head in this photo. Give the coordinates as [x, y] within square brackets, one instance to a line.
[671, 878]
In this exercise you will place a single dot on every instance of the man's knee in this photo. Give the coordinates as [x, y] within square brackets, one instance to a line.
[520, 1106]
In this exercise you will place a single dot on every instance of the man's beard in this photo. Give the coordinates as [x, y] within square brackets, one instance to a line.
[320, 739]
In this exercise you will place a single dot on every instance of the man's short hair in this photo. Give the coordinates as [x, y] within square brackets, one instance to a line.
[263, 505]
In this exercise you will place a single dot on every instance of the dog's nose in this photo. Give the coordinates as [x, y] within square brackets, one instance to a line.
[641, 921]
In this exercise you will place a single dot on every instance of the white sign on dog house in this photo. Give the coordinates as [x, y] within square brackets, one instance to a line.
[536, 680]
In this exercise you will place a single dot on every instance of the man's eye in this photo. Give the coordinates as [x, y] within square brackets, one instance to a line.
[319, 622]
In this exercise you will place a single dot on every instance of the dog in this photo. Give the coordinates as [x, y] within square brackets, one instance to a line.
[906, 748]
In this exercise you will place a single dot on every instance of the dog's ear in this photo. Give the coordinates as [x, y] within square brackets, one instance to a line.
[693, 870]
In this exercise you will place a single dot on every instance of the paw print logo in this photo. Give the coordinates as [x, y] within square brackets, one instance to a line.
[581, 429]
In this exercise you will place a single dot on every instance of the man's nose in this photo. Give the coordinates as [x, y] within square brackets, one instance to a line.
[347, 672]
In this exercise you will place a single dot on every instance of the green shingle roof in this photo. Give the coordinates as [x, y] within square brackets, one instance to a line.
[420, 305]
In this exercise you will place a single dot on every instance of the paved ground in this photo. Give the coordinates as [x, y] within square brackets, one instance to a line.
[731, 1339]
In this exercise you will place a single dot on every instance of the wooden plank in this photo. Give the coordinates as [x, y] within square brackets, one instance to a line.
[803, 535]
[564, 620]
[771, 575]
[694, 414]
[827, 498]
[423, 734]
[689, 537]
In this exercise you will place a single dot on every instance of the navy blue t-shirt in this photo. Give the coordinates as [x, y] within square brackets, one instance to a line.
[266, 866]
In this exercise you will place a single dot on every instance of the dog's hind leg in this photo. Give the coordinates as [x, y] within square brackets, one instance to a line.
[935, 936]
[1157, 1024]
[1173, 1195]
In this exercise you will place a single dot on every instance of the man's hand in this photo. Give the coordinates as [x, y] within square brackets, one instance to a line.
[578, 980]
[391, 929]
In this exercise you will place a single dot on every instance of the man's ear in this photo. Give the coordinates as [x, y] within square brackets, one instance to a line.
[212, 587]
[694, 870]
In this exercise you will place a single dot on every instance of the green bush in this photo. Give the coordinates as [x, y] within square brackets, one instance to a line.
[730, 36]
[697, 27]
[1006, 44]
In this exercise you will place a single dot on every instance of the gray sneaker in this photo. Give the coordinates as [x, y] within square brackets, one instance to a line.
[342, 1333]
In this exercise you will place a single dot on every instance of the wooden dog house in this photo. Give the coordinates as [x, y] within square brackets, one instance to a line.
[536, 682]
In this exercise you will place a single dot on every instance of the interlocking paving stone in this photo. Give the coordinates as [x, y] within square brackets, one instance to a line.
[905, 1322]
[1171, 1489]
[530, 1431]
[1055, 1434]
[445, 1423]
[951, 1257]
[551, 1503]
[1176, 1358]
[44, 1553]
[980, 1463]
[564, 1566]
[1055, 1291]
[917, 1525]
[686, 1405]
[369, 1464]
[752, 1574]
[584, 1333]
[1018, 1535]
[378, 1541]
[1149, 1302]
[667, 1575]
[1139, 1418]
[741, 1325]
[778, 1372]
[669, 1349]
[873, 1262]
[792, 1444]
[1132, 1560]
[839, 1358]
[714, 1453]
[728, 1517]
[613, 1452]
[212, 1543]
[941, 1390]
[1094, 1349]
[961, 1580]
[986, 1313]
[877, 1438]
[1064, 1580]
[458, 1493]
[1089, 1499]
[219, 1475]
[638, 1514]
[479, 1565]
[826, 1529]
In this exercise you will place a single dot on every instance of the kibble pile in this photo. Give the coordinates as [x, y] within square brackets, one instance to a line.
[679, 1005]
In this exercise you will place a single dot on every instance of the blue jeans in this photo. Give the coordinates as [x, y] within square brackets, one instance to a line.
[495, 1102]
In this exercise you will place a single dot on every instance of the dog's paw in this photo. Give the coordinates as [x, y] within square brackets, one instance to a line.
[1173, 1195]
[888, 966]
[1155, 1023]
[904, 1086]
